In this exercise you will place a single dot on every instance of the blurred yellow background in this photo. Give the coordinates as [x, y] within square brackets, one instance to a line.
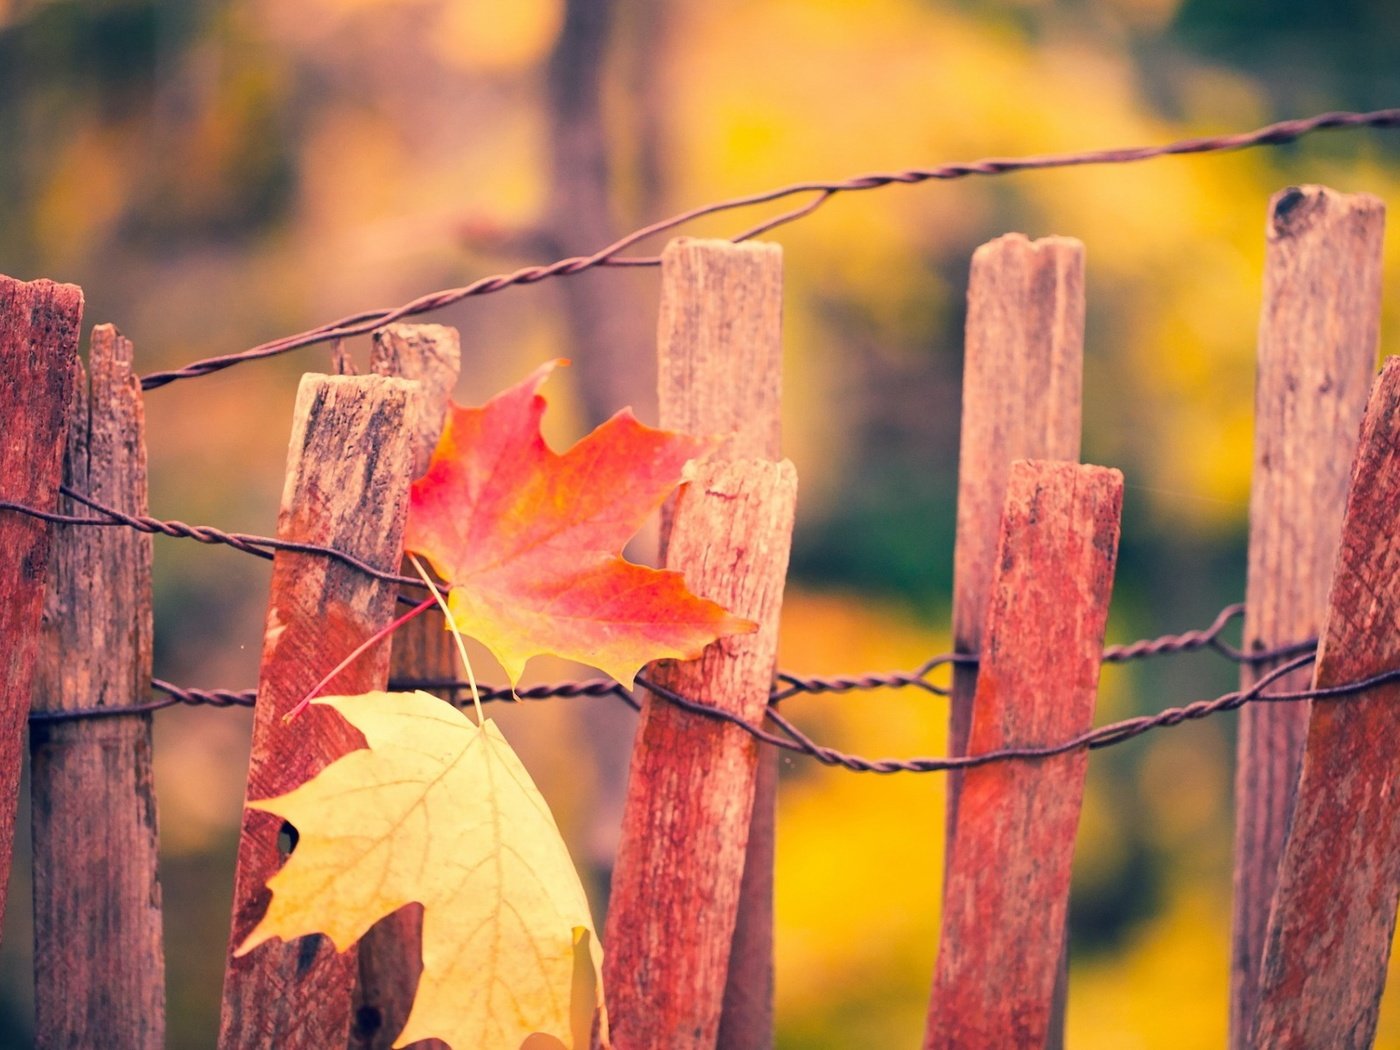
[219, 172]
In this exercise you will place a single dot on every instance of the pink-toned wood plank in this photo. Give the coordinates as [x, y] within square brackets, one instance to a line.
[676, 886]
[1317, 354]
[720, 371]
[391, 953]
[1333, 914]
[99, 966]
[1023, 365]
[1022, 399]
[1008, 886]
[39, 324]
[348, 469]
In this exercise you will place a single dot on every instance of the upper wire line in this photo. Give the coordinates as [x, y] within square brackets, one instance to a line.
[368, 320]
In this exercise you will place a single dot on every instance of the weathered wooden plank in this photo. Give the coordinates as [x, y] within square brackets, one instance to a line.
[719, 344]
[676, 886]
[1317, 354]
[720, 371]
[1007, 890]
[1023, 366]
[390, 954]
[1333, 915]
[99, 965]
[39, 324]
[348, 469]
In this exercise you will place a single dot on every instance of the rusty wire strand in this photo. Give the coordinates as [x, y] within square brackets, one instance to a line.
[795, 740]
[368, 320]
[258, 546]
[787, 685]
[1103, 736]
[791, 684]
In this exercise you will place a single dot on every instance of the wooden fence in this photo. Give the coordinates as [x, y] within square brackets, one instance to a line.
[689, 934]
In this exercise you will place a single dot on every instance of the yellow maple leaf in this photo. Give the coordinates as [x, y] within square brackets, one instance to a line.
[441, 811]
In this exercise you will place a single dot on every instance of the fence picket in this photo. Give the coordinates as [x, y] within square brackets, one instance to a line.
[391, 953]
[1333, 914]
[1023, 378]
[719, 372]
[1317, 354]
[1023, 366]
[39, 323]
[99, 966]
[1008, 885]
[298, 995]
[690, 792]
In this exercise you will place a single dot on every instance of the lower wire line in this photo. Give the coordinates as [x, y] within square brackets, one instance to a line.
[790, 738]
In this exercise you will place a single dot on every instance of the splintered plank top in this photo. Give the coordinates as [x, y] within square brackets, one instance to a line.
[38, 359]
[1022, 393]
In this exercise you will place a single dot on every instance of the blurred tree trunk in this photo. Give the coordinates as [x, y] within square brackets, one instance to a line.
[649, 88]
[609, 325]
[610, 313]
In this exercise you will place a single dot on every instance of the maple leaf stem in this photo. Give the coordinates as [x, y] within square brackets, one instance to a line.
[456, 634]
[378, 636]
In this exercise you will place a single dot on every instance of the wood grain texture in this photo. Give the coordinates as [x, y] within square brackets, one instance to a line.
[720, 371]
[430, 355]
[1007, 891]
[1333, 915]
[391, 953]
[676, 886]
[347, 479]
[719, 340]
[99, 964]
[1317, 354]
[39, 324]
[1023, 365]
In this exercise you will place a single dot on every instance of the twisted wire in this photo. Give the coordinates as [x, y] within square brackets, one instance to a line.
[793, 739]
[258, 546]
[368, 320]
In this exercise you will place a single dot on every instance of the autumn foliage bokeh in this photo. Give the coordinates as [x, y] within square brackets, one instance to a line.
[219, 172]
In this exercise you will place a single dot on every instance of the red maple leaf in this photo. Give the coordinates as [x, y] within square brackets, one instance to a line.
[529, 539]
